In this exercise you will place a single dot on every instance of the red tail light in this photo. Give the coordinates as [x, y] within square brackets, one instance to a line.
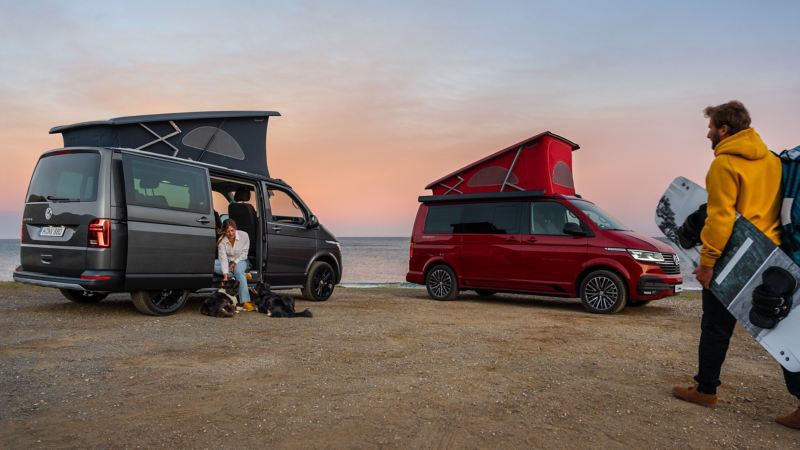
[100, 233]
[411, 251]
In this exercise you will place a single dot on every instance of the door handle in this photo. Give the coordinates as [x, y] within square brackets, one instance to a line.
[204, 220]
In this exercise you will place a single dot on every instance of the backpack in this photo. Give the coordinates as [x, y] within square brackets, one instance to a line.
[790, 206]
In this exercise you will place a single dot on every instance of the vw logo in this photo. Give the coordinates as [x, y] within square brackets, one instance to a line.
[48, 213]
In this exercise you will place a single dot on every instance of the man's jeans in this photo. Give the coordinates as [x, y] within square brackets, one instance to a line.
[239, 272]
[715, 335]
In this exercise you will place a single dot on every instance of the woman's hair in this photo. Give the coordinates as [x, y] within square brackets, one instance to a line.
[227, 223]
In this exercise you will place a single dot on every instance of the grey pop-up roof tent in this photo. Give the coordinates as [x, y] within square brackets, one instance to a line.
[233, 139]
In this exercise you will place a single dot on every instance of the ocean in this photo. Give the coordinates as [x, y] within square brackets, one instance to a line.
[368, 262]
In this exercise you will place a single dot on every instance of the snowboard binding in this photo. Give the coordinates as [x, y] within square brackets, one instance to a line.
[772, 300]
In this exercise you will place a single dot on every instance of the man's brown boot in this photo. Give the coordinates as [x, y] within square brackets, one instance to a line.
[791, 420]
[692, 395]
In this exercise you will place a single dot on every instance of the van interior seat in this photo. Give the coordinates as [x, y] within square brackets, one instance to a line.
[245, 217]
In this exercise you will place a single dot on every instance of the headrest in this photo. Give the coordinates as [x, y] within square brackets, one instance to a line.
[242, 194]
[149, 183]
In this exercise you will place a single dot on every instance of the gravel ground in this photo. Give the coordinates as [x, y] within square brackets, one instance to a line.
[374, 368]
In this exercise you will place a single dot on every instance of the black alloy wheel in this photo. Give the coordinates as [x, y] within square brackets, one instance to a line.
[159, 303]
[77, 296]
[603, 292]
[441, 283]
[320, 282]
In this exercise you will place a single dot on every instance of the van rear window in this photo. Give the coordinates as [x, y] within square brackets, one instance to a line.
[475, 218]
[67, 177]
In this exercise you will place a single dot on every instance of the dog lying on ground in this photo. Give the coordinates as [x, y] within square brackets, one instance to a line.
[276, 305]
[223, 302]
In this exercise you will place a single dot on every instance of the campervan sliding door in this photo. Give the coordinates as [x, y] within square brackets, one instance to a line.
[171, 238]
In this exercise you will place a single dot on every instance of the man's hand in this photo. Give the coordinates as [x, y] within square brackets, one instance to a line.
[704, 274]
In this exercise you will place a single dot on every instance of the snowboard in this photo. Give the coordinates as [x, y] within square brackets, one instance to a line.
[738, 271]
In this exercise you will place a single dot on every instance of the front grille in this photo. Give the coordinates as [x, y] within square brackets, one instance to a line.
[671, 264]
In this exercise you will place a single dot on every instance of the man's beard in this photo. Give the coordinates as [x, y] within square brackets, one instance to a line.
[715, 139]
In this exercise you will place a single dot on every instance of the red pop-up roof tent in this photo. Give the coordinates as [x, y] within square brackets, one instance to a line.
[542, 162]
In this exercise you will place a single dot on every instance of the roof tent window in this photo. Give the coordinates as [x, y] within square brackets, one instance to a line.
[492, 176]
[214, 140]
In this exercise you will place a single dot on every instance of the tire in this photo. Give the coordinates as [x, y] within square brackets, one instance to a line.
[77, 296]
[638, 304]
[159, 303]
[441, 283]
[603, 292]
[320, 282]
[485, 292]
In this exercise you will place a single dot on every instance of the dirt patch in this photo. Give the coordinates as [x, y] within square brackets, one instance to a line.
[374, 368]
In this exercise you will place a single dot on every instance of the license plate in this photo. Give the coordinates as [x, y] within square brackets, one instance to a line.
[52, 231]
[678, 288]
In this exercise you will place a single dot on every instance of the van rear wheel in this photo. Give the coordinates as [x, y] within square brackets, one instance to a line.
[77, 296]
[159, 303]
[441, 283]
[319, 283]
[603, 292]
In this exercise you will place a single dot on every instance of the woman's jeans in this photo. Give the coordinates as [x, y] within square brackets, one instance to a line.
[239, 272]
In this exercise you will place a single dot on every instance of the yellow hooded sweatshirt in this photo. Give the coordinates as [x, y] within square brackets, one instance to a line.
[745, 177]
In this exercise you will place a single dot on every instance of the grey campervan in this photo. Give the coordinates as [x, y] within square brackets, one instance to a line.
[133, 204]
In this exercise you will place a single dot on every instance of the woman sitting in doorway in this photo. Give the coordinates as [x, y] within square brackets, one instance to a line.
[232, 248]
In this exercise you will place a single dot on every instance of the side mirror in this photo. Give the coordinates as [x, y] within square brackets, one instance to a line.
[573, 229]
[313, 222]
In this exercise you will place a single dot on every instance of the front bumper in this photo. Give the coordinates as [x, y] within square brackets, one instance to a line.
[653, 287]
[90, 280]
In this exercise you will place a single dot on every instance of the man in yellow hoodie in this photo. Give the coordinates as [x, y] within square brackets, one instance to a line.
[744, 177]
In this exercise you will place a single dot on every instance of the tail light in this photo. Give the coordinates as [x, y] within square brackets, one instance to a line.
[22, 232]
[411, 251]
[100, 233]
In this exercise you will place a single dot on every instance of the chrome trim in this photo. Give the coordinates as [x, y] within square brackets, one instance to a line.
[615, 249]
[64, 247]
[288, 225]
[52, 284]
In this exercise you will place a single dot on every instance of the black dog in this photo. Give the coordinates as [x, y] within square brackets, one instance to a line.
[276, 305]
[223, 302]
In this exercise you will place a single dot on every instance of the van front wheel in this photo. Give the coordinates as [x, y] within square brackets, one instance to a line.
[77, 296]
[159, 303]
[603, 292]
[319, 283]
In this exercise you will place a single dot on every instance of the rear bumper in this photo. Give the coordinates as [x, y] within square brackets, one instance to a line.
[653, 287]
[90, 280]
[415, 277]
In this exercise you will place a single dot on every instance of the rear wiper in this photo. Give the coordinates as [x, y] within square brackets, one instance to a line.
[62, 199]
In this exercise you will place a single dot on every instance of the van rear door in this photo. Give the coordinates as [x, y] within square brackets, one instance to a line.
[68, 190]
[171, 236]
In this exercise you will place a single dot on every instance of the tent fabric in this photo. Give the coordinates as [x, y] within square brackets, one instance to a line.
[232, 139]
[541, 162]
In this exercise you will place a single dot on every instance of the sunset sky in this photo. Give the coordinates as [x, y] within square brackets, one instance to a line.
[380, 98]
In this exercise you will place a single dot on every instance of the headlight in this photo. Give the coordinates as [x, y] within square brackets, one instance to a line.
[645, 256]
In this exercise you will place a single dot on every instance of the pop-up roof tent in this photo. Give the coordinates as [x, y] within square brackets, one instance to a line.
[540, 163]
[233, 139]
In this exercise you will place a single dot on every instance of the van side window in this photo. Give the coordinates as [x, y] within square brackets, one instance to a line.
[474, 218]
[163, 184]
[549, 218]
[284, 208]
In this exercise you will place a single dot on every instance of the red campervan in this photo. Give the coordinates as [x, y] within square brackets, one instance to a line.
[533, 235]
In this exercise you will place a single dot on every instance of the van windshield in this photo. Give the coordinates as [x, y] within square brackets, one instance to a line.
[68, 177]
[599, 217]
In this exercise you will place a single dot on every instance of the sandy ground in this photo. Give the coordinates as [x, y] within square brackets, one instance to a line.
[374, 368]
